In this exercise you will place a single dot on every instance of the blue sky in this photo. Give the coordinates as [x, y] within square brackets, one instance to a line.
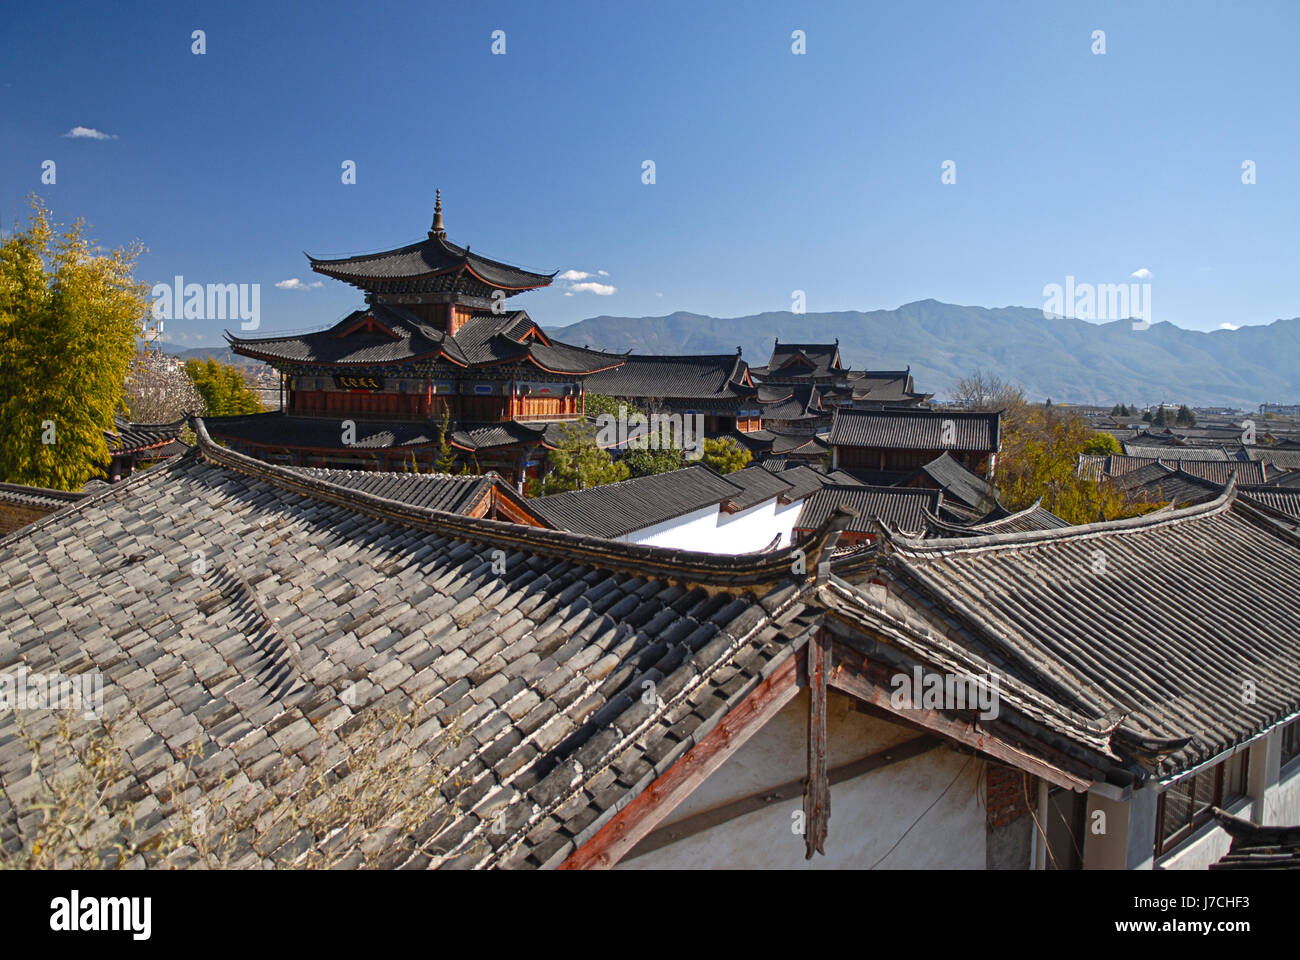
[775, 172]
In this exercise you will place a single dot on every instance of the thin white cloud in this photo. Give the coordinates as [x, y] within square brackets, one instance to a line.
[580, 281]
[599, 289]
[89, 133]
[1142, 274]
[658, 294]
[1229, 326]
[293, 283]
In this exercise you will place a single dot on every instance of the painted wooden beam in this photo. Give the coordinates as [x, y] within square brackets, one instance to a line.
[857, 682]
[616, 838]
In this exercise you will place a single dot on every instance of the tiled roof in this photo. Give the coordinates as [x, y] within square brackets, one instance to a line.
[823, 360]
[1257, 847]
[879, 478]
[675, 377]
[1160, 618]
[960, 484]
[323, 433]
[801, 401]
[1138, 469]
[617, 509]
[1156, 451]
[1117, 465]
[368, 345]
[915, 429]
[1283, 500]
[798, 445]
[484, 338]
[436, 491]
[902, 507]
[278, 429]
[1175, 486]
[1219, 471]
[1135, 477]
[1284, 459]
[323, 606]
[1001, 520]
[433, 255]
[26, 496]
[758, 485]
[754, 440]
[885, 386]
[139, 437]
[804, 481]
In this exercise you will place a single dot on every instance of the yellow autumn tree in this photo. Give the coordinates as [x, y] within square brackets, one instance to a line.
[1039, 458]
[69, 320]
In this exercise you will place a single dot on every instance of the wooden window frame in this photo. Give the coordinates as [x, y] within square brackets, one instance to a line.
[1201, 815]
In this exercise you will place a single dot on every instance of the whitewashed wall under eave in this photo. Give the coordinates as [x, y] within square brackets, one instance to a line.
[710, 530]
[868, 814]
[1282, 801]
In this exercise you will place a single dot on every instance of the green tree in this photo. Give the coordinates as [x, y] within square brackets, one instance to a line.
[577, 463]
[598, 403]
[643, 463]
[1146, 416]
[1160, 420]
[725, 454]
[222, 388]
[1102, 442]
[1185, 416]
[69, 320]
[446, 454]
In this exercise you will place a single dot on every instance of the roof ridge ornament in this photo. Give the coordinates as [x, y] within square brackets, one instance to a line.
[437, 231]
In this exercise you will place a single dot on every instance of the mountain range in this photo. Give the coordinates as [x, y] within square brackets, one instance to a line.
[1065, 359]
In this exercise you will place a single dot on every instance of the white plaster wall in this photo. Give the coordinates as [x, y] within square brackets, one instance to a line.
[711, 530]
[753, 529]
[786, 515]
[1282, 801]
[868, 814]
[691, 531]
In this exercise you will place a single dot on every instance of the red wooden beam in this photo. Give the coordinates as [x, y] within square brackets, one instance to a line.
[852, 675]
[615, 839]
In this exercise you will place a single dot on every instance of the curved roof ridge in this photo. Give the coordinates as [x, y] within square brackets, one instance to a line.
[1035, 703]
[722, 570]
[942, 524]
[1082, 531]
[349, 258]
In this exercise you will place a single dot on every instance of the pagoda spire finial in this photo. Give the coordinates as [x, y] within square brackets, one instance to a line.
[437, 230]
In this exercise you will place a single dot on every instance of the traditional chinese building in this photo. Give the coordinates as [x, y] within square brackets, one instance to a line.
[886, 446]
[819, 364]
[436, 338]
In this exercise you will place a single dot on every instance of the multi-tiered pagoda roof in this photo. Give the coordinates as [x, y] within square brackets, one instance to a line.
[386, 334]
[432, 265]
[433, 341]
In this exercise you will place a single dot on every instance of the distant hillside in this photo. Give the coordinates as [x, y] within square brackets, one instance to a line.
[1067, 360]
[221, 354]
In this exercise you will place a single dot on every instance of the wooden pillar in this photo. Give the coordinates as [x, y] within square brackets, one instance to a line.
[817, 788]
